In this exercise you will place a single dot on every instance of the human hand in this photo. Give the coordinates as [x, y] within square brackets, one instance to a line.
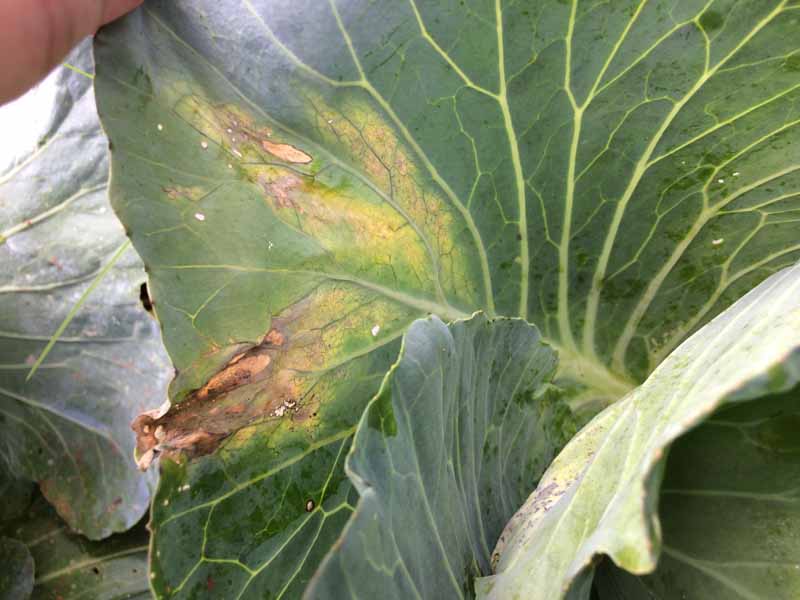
[35, 35]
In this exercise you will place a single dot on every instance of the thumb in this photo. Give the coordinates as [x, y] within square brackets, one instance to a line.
[35, 35]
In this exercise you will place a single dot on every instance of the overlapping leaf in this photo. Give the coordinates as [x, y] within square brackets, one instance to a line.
[729, 510]
[65, 566]
[601, 494]
[303, 179]
[443, 455]
[67, 428]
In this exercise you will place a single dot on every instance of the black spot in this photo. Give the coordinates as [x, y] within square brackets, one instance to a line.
[95, 570]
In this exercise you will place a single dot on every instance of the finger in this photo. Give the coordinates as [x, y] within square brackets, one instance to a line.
[35, 35]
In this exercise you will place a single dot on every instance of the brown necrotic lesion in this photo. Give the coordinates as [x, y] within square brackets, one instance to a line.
[322, 336]
[286, 152]
[197, 425]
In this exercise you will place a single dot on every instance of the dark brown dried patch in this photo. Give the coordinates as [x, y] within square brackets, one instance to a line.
[248, 388]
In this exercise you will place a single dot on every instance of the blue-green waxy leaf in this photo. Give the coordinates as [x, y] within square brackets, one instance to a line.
[67, 427]
[66, 566]
[601, 494]
[304, 179]
[464, 422]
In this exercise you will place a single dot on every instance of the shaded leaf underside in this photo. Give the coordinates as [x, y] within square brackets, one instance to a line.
[304, 179]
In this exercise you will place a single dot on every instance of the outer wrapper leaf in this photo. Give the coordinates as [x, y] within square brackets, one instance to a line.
[600, 495]
[67, 428]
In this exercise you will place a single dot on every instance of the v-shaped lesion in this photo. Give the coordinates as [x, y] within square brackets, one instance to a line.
[318, 343]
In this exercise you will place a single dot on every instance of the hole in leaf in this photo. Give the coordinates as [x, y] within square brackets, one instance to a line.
[144, 296]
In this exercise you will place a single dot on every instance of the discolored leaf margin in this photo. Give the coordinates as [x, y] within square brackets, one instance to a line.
[66, 427]
[466, 421]
[600, 495]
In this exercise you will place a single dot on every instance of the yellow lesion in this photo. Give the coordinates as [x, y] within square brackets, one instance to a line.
[365, 201]
[390, 253]
[337, 322]
[329, 335]
[226, 125]
[361, 136]
[360, 236]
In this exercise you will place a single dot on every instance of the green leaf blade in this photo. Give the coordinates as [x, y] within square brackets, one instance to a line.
[728, 508]
[464, 423]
